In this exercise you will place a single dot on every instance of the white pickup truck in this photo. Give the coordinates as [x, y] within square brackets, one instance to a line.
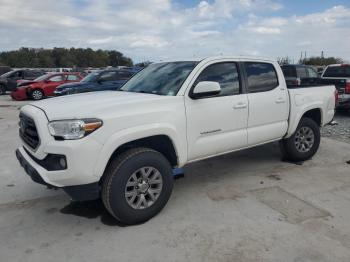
[123, 145]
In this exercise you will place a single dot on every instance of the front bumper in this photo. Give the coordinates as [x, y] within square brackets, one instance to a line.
[19, 94]
[60, 93]
[78, 193]
[81, 155]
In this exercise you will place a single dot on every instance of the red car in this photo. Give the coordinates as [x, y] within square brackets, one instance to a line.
[43, 86]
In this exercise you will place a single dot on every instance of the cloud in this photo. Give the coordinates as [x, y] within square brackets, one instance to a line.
[164, 29]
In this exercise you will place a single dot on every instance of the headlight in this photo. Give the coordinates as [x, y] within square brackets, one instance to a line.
[73, 129]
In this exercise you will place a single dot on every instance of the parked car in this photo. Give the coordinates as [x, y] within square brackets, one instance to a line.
[4, 69]
[8, 81]
[339, 75]
[43, 86]
[300, 75]
[123, 145]
[110, 79]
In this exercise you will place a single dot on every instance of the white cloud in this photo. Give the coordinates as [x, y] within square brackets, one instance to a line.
[163, 29]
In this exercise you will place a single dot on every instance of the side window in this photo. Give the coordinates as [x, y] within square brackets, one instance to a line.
[226, 74]
[17, 74]
[261, 77]
[125, 75]
[57, 78]
[72, 78]
[301, 72]
[312, 73]
[109, 76]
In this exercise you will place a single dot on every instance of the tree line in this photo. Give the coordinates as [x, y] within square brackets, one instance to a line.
[63, 57]
[314, 60]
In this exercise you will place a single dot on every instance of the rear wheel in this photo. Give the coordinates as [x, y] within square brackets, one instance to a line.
[36, 94]
[2, 90]
[137, 185]
[304, 143]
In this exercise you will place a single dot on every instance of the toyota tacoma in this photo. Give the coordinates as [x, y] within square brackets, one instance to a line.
[123, 145]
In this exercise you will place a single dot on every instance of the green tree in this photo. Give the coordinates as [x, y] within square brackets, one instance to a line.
[63, 57]
[321, 61]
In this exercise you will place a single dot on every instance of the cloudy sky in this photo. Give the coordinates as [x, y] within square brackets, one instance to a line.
[172, 29]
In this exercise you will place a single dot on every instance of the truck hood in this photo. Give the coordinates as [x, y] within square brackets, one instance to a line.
[95, 104]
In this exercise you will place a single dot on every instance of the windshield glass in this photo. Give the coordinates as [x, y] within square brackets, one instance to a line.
[337, 71]
[41, 78]
[160, 79]
[7, 74]
[90, 77]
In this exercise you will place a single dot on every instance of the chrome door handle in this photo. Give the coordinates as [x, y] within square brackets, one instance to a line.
[280, 101]
[240, 105]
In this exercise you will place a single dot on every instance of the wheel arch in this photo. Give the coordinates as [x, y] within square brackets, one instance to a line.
[166, 143]
[315, 113]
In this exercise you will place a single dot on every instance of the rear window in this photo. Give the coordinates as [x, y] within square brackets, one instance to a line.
[289, 71]
[337, 71]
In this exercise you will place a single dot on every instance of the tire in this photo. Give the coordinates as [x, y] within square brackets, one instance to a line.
[2, 90]
[304, 143]
[36, 94]
[121, 200]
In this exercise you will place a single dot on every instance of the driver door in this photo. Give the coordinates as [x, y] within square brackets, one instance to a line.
[217, 124]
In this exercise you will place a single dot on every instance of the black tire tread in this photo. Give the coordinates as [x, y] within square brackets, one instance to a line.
[287, 144]
[31, 94]
[112, 170]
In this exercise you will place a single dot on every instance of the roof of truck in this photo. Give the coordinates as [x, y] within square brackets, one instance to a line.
[233, 57]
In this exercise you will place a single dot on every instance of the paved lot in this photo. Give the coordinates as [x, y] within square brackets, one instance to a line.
[245, 206]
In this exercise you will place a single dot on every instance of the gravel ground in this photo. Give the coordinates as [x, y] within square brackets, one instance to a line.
[341, 131]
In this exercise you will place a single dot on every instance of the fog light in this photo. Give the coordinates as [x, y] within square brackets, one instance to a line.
[63, 162]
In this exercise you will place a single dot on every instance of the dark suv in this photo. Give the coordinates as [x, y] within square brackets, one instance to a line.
[109, 79]
[8, 81]
[300, 75]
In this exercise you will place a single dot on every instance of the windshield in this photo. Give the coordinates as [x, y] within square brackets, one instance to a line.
[160, 79]
[7, 74]
[90, 77]
[41, 78]
[337, 71]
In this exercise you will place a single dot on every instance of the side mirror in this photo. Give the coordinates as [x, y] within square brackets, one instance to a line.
[205, 89]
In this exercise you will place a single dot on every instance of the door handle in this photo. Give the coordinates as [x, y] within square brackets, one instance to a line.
[280, 100]
[240, 105]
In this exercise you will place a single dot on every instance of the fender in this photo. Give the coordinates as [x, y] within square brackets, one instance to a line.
[296, 115]
[130, 134]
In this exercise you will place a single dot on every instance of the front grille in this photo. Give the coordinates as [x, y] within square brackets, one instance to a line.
[28, 131]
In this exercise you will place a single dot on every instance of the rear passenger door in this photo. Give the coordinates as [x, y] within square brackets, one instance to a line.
[268, 103]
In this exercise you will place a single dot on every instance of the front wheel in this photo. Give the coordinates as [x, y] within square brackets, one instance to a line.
[137, 185]
[304, 143]
[36, 94]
